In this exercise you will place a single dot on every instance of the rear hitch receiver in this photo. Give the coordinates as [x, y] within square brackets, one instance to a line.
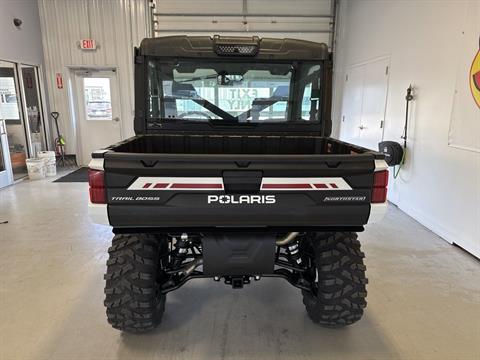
[237, 282]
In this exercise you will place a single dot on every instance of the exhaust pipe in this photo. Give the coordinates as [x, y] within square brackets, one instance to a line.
[287, 239]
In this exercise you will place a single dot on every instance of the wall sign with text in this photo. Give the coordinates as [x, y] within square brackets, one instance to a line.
[88, 44]
[59, 80]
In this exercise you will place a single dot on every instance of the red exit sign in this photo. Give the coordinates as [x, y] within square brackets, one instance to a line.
[88, 44]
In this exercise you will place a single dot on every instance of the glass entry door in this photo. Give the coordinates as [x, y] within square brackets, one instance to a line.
[98, 115]
[33, 109]
[12, 115]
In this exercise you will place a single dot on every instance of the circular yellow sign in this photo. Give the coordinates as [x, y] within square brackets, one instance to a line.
[475, 78]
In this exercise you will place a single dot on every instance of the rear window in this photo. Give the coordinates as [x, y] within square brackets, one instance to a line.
[233, 91]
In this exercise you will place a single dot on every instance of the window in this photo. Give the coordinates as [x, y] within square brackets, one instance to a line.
[311, 95]
[98, 103]
[232, 91]
[8, 96]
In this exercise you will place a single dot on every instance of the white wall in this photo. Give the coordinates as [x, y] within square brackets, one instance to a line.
[117, 26]
[439, 185]
[22, 44]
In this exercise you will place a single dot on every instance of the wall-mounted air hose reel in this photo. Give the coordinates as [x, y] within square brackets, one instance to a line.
[394, 152]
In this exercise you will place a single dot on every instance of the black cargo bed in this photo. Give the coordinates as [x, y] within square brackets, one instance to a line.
[235, 144]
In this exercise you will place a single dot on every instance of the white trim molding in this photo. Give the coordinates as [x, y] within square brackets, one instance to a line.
[98, 213]
[96, 164]
[377, 212]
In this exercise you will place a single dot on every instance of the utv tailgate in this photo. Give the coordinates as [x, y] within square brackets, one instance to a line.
[225, 190]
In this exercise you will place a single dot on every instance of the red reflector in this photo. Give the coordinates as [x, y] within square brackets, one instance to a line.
[96, 180]
[380, 178]
[379, 195]
[98, 196]
[380, 182]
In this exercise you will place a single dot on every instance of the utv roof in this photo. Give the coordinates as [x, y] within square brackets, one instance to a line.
[233, 46]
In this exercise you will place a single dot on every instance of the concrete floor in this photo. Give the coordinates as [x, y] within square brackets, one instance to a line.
[424, 296]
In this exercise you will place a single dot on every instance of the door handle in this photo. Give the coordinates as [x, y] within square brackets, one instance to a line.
[116, 119]
[361, 127]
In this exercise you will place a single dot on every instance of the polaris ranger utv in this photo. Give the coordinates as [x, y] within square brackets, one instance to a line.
[233, 175]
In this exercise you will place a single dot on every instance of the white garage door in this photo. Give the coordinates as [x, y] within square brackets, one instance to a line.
[302, 19]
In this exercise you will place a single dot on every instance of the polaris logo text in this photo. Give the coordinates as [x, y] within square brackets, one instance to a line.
[241, 199]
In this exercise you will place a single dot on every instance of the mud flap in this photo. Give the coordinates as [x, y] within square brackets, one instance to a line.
[238, 254]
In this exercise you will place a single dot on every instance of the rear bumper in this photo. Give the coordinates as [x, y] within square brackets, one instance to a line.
[166, 217]
[244, 216]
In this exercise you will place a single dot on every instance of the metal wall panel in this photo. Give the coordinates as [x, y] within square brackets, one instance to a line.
[304, 19]
[117, 26]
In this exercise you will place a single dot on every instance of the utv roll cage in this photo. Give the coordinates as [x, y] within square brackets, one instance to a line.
[246, 49]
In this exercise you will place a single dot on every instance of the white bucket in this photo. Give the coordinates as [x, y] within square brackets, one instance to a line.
[50, 162]
[36, 168]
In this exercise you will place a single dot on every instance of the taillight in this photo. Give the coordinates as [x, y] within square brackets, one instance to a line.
[96, 180]
[380, 182]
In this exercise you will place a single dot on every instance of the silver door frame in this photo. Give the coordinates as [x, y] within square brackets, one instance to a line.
[6, 156]
[42, 107]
